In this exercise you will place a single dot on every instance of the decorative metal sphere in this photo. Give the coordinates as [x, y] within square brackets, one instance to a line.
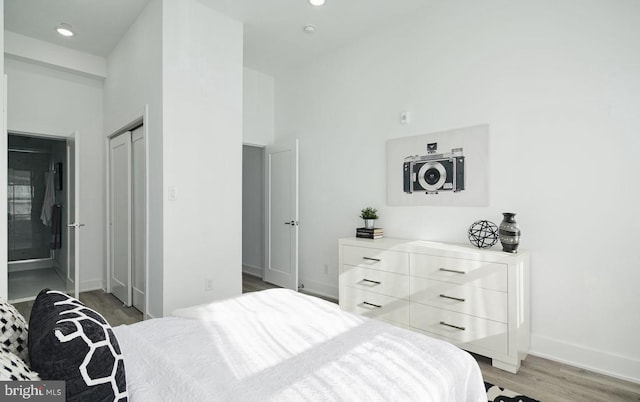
[483, 234]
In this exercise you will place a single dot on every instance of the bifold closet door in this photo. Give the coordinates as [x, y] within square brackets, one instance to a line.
[120, 216]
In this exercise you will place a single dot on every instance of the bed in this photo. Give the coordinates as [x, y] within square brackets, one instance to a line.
[281, 345]
[272, 345]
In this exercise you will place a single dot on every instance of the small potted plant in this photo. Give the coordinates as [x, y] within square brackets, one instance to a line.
[369, 215]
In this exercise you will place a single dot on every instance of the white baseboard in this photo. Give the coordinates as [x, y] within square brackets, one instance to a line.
[87, 286]
[61, 274]
[320, 289]
[599, 361]
[252, 270]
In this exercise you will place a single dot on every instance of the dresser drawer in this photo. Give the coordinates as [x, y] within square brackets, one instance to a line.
[461, 328]
[372, 280]
[384, 260]
[479, 302]
[489, 275]
[374, 305]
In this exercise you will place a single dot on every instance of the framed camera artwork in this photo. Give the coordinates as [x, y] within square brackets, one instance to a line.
[443, 168]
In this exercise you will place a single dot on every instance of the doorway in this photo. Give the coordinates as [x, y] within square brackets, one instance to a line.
[36, 199]
[270, 214]
[281, 214]
[252, 211]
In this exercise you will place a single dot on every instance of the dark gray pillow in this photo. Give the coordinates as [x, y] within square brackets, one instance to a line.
[68, 341]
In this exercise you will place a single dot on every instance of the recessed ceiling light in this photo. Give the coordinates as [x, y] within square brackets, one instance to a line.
[309, 28]
[316, 2]
[64, 30]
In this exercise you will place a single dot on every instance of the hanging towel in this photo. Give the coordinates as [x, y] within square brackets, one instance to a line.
[56, 227]
[49, 198]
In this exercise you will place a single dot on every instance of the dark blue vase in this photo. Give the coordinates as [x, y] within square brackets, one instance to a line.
[509, 232]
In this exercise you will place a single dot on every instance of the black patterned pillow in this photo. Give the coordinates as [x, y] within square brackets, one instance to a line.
[68, 341]
[13, 330]
[13, 368]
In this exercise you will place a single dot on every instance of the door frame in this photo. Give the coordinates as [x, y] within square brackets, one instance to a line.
[4, 149]
[74, 231]
[4, 159]
[141, 118]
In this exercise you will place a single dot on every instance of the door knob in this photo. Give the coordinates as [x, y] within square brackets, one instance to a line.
[75, 225]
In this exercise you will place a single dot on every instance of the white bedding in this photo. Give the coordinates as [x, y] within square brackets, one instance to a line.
[281, 345]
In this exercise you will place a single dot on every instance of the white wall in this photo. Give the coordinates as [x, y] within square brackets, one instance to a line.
[559, 84]
[257, 108]
[202, 115]
[3, 162]
[134, 79]
[44, 100]
[253, 210]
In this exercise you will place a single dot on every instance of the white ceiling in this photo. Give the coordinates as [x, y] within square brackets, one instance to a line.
[99, 24]
[273, 37]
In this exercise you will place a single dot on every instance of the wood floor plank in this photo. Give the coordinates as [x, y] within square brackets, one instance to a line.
[547, 380]
[106, 304]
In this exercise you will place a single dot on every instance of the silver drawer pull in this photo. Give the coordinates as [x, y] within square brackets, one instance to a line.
[453, 298]
[452, 270]
[452, 326]
[371, 304]
[370, 281]
[371, 259]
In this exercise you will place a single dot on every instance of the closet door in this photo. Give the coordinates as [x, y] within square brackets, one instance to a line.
[120, 214]
[139, 221]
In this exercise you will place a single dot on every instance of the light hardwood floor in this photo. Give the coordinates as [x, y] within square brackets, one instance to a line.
[547, 380]
[106, 304]
[538, 378]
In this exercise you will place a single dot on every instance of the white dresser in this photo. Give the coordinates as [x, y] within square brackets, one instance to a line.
[474, 298]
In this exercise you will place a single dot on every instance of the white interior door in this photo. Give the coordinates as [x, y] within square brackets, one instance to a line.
[282, 224]
[73, 214]
[120, 216]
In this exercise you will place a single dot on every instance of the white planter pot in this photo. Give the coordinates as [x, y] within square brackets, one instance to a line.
[369, 223]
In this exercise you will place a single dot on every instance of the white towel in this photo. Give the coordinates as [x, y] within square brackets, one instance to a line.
[49, 199]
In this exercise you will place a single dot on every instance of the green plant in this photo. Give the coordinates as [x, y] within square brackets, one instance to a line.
[369, 213]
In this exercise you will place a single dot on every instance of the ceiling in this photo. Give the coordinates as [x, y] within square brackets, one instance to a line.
[99, 24]
[273, 37]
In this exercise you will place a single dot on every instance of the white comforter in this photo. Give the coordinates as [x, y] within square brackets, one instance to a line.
[279, 345]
